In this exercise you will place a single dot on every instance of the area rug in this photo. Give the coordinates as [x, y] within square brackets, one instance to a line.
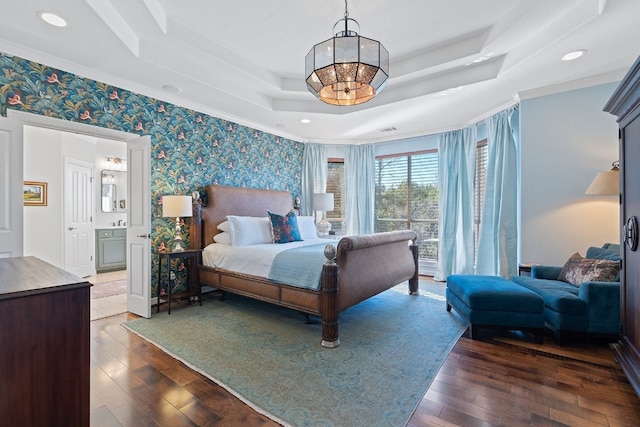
[392, 346]
[108, 289]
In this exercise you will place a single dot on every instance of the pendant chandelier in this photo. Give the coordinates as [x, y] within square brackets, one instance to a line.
[347, 69]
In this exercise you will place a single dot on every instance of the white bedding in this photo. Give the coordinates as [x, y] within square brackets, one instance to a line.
[255, 260]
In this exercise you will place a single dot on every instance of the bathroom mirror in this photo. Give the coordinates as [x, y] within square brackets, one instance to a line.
[114, 191]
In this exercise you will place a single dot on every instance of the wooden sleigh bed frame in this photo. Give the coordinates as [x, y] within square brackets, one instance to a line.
[363, 266]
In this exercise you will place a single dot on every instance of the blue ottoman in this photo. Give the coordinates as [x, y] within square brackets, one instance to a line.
[496, 303]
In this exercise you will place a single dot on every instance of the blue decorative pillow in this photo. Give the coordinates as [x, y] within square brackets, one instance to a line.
[611, 254]
[284, 229]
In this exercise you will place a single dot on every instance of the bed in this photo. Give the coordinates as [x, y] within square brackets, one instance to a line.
[356, 267]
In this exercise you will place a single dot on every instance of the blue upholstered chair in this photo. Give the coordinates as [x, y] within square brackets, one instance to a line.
[592, 307]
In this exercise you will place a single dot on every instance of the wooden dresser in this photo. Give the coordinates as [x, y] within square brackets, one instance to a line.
[625, 104]
[44, 345]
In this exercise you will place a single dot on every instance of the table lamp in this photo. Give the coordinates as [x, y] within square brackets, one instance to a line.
[177, 206]
[323, 202]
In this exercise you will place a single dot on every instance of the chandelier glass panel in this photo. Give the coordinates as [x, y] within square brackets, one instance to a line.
[347, 69]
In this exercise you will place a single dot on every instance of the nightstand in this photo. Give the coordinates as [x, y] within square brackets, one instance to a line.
[192, 258]
[525, 269]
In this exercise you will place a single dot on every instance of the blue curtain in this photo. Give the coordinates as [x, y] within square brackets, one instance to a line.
[456, 175]
[314, 175]
[360, 174]
[498, 241]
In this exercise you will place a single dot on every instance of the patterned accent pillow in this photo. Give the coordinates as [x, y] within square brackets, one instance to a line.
[579, 269]
[284, 229]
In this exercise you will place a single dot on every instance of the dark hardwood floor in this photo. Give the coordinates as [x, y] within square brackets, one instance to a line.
[502, 379]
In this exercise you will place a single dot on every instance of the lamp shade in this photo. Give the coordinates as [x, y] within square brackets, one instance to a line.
[323, 202]
[606, 183]
[176, 206]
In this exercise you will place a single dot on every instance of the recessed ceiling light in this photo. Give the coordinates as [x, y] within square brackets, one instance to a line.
[305, 121]
[573, 55]
[172, 88]
[52, 19]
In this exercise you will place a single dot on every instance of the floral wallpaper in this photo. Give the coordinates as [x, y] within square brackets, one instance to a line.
[189, 149]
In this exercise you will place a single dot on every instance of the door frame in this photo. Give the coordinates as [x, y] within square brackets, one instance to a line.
[11, 189]
[30, 119]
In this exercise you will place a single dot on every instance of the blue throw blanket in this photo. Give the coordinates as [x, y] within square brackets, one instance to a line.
[300, 267]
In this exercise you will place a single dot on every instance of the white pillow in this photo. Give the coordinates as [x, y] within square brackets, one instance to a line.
[307, 227]
[223, 238]
[224, 226]
[249, 230]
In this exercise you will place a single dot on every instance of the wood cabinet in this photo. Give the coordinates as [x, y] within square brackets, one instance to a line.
[111, 249]
[45, 354]
[625, 104]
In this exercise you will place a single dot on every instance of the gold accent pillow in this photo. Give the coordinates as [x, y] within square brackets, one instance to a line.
[579, 269]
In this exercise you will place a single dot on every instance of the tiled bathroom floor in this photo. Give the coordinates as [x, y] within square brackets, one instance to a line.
[112, 305]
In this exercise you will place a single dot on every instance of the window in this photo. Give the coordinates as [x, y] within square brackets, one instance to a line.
[336, 184]
[407, 198]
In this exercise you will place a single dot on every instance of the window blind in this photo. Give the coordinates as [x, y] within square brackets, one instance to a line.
[480, 189]
[407, 197]
[337, 185]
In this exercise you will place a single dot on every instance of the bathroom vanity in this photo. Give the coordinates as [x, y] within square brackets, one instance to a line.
[111, 249]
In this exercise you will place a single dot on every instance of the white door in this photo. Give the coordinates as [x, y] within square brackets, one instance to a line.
[78, 220]
[139, 226]
[11, 184]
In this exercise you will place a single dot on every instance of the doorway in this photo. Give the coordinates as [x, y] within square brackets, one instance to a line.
[63, 231]
[138, 293]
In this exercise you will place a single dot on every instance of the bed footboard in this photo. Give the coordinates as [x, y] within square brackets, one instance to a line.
[361, 267]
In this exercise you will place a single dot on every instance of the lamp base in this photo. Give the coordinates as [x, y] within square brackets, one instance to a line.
[177, 238]
[323, 227]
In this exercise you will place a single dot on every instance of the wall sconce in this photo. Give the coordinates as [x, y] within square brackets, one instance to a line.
[116, 163]
[606, 182]
[108, 178]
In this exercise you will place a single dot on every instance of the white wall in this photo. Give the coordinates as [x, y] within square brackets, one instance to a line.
[43, 224]
[566, 139]
[45, 151]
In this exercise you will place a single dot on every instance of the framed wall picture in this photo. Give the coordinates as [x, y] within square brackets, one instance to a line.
[35, 193]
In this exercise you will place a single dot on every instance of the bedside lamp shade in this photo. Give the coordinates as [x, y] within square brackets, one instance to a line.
[177, 206]
[323, 202]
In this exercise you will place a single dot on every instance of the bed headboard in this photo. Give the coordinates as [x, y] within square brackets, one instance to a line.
[224, 200]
